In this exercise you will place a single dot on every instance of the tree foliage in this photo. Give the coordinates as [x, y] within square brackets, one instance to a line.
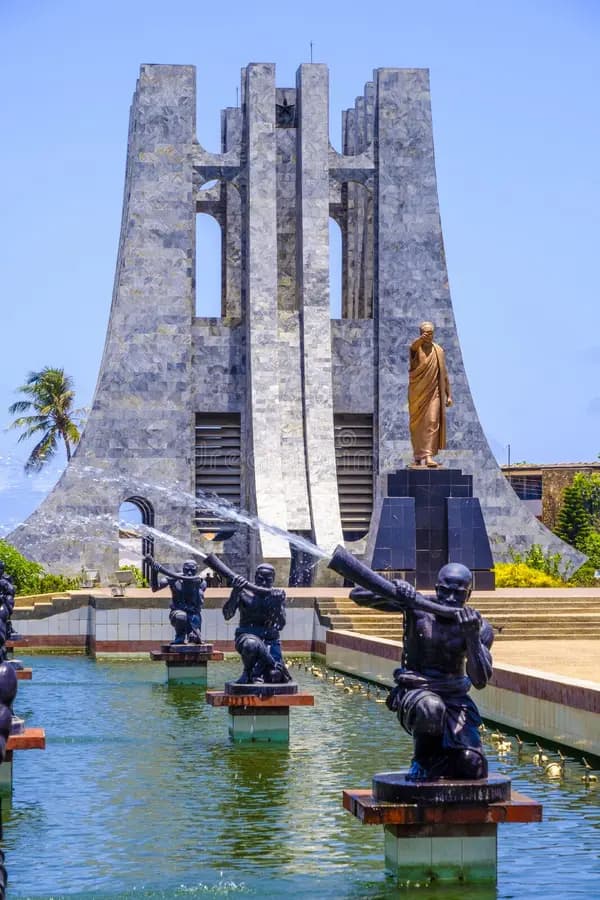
[25, 574]
[575, 520]
[49, 400]
[29, 577]
[588, 487]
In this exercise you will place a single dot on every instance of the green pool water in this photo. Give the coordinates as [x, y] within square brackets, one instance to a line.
[140, 794]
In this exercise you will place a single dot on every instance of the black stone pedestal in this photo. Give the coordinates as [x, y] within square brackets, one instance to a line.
[393, 787]
[429, 518]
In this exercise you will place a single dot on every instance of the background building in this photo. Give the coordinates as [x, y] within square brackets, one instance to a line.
[541, 487]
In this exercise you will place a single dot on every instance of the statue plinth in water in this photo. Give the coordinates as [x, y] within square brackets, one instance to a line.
[446, 650]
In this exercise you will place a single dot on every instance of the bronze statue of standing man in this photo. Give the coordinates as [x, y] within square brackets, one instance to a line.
[428, 397]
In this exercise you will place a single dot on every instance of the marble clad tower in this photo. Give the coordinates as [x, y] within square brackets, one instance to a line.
[274, 405]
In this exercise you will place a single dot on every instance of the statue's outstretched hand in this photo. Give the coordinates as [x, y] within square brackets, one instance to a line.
[469, 620]
[239, 582]
[405, 591]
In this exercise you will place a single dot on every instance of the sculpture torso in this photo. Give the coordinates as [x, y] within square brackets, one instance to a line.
[435, 647]
[186, 594]
[260, 611]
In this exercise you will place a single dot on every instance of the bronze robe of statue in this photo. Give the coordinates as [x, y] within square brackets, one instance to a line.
[428, 390]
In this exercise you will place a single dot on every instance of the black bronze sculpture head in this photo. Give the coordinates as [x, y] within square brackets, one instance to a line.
[454, 584]
[189, 567]
[265, 575]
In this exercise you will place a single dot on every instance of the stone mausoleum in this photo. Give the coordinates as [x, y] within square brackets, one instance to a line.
[274, 406]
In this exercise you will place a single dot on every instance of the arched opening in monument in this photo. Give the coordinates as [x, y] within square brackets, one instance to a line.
[209, 264]
[132, 547]
[335, 269]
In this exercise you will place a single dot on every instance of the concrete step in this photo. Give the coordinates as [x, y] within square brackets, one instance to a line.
[560, 603]
[513, 618]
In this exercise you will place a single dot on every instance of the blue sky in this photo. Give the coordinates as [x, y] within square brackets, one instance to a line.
[517, 129]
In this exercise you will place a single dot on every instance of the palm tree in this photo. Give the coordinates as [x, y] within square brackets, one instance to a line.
[50, 396]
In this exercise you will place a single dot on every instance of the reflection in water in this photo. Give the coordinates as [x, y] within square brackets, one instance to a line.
[140, 794]
[251, 779]
[187, 700]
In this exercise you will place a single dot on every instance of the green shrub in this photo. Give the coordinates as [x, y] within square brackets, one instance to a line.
[29, 577]
[551, 564]
[24, 573]
[140, 580]
[584, 577]
[56, 584]
[591, 548]
[518, 574]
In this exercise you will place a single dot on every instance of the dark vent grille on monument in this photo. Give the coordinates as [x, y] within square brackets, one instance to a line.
[354, 463]
[217, 468]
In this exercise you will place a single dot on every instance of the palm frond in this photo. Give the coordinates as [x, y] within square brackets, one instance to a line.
[72, 432]
[19, 406]
[50, 395]
[41, 453]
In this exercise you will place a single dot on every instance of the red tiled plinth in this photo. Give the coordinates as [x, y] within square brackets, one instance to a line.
[30, 739]
[187, 658]
[220, 698]
[369, 811]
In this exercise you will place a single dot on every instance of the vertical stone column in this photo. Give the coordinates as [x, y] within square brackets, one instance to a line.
[264, 426]
[313, 287]
[288, 326]
[411, 286]
[366, 290]
[138, 438]
[231, 125]
[350, 310]
[410, 270]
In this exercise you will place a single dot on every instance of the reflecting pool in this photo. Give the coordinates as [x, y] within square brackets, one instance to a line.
[140, 794]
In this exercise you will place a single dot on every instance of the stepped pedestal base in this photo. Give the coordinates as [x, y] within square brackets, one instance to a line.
[452, 841]
[261, 712]
[187, 663]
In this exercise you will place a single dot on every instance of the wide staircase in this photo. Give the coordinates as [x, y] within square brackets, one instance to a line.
[528, 617]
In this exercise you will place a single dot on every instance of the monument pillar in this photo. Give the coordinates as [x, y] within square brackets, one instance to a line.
[138, 438]
[313, 291]
[265, 471]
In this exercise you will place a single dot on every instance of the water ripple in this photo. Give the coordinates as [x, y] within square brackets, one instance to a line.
[140, 795]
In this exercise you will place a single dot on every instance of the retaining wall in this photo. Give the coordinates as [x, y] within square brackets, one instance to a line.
[560, 709]
[122, 626]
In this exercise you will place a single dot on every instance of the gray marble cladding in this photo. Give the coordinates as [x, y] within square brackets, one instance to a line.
[274, 356]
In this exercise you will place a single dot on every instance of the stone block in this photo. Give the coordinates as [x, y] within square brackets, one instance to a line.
[262, 726]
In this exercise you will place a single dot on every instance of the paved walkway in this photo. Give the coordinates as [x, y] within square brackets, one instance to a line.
[575, 659]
